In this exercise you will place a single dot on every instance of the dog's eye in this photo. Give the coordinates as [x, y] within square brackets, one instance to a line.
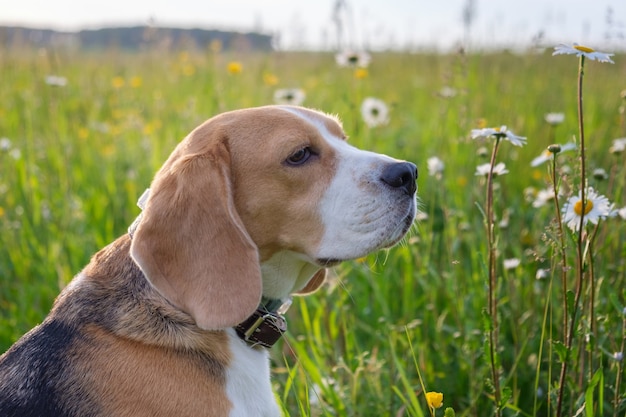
[299, 157]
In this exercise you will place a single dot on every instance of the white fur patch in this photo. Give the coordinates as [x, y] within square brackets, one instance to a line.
[286, 272]
[248, 384]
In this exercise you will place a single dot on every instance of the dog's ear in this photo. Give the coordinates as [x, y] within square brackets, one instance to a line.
[314, 283]
[191, 243]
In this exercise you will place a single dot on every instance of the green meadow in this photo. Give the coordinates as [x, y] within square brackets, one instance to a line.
[78, 150]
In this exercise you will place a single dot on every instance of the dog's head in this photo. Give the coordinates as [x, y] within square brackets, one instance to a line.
[253, 193]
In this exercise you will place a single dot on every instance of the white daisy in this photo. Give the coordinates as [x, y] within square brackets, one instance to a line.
[353, 59]
[530, 193]
[542, 273]
[375, 112]
[500, 132]
[543, 197]
[292, 96]
[622, 213]
[600, 174]
[596, 207]
[482, 152]
[15, 153]
[435, 166]
[498, 169]
[580, 50]
[56, 80]
[619, 146]
[547, 155]
[5, 144]
[554, 118]
[447, 92]
[511, 263]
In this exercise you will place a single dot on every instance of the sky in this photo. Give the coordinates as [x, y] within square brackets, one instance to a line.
[367, 24]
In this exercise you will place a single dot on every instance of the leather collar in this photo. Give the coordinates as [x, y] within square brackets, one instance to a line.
[266, 325]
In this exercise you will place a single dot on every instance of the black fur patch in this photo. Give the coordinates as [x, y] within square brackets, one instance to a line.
[30, 370]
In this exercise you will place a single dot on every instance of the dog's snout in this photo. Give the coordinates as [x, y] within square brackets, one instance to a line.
[401, 175]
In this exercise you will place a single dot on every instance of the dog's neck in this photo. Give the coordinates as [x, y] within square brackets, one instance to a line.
[285, 273]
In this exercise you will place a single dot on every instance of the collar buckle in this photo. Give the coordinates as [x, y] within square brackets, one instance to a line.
[266, 325]
[262, 328]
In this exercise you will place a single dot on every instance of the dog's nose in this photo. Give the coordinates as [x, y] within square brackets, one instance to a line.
[401, 175]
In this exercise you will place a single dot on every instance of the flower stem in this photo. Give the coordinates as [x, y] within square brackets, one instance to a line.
[493, 305]
[579, 242]
[581, 133]
[592, 296]
[561, 242]
[419, 374]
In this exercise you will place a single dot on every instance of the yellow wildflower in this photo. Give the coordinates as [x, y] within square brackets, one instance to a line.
[83, 133]
[234, 67]
[360, 73]
[117, 82]
[108, 150]
[270, 79]
[434, 399]
[135, 82]
[188, 70]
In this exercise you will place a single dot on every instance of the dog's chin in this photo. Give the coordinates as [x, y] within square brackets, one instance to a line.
[391, 240]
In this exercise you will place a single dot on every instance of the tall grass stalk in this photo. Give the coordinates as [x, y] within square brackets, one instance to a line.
[554, 149]
[561, 248]
[493, 284]
[580, 245]
[417, 369]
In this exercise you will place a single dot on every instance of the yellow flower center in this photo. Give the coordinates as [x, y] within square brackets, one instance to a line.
[583, 48]
[578, 207]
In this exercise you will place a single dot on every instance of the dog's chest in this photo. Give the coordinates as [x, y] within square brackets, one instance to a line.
[248, 384]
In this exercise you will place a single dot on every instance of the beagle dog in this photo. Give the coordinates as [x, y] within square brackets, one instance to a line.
[175, 318]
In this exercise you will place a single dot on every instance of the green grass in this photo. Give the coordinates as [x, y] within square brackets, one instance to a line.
[88, 150]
